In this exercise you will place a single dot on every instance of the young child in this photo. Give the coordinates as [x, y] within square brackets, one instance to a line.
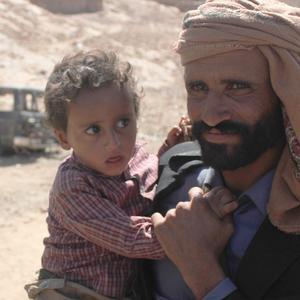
[101, 192]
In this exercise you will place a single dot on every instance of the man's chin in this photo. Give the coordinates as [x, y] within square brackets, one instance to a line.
[224, 157]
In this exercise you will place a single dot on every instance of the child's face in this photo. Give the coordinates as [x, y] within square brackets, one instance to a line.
[101, 129]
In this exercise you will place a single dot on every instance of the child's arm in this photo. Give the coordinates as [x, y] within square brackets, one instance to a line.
[101, 221]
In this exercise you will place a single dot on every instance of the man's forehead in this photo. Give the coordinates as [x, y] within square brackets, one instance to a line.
[241, 63]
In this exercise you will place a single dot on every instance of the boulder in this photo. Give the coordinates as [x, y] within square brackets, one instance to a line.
[64, 7]
[183, 5]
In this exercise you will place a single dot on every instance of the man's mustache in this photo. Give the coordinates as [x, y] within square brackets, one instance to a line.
[226, 127]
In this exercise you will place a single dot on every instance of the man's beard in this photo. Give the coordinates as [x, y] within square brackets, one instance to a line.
[255, 140]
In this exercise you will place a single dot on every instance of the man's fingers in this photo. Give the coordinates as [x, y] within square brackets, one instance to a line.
[230, 207]
[219, 192]
[223, 210]
[195, 193]
[221, 201]
[157, 219]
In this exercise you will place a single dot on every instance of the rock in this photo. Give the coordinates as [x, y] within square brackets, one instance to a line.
[64, 7]
[183, 5]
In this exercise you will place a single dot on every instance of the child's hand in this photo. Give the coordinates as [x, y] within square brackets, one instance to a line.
[221, 201]
[175, 136]
[179, 133]
[185, 125]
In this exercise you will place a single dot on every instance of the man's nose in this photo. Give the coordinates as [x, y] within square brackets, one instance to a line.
[112, 140]
[215, 109]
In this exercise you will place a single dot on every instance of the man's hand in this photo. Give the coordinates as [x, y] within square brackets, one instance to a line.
[221, 201]
[193, 237]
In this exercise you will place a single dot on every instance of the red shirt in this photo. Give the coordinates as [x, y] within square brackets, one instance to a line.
[95, 224]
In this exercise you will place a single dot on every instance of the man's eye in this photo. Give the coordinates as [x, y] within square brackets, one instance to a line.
[92, 130]
[239, 85]
[197, 86]
[123, 123]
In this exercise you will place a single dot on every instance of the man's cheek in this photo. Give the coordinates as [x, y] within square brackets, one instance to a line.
[194, 110]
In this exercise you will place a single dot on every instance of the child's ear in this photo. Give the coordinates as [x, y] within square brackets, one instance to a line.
[62, 139]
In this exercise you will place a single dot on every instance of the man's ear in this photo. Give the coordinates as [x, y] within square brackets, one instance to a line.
[62, 139]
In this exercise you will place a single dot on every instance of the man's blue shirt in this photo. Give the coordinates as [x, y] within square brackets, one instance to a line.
[247, 219]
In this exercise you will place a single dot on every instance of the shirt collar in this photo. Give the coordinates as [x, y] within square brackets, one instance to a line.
[259, 192]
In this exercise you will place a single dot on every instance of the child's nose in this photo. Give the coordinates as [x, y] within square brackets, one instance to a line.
[113, 140]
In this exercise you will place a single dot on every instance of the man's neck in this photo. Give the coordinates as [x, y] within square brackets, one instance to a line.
[241, 179]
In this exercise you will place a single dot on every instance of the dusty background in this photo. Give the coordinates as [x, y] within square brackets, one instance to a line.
[32, 40]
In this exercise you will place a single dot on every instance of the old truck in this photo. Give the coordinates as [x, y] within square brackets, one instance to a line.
[22, 120]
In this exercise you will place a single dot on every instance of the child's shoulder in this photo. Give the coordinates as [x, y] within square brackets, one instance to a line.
[71, 175]
[142, 158]
[69, 166]
[144, 167]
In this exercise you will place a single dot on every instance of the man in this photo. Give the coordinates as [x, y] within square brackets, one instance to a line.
[241, 67]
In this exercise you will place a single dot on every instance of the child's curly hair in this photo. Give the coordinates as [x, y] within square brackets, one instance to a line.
[92, 69]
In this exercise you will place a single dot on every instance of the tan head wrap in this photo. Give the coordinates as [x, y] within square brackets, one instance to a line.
[220, 26]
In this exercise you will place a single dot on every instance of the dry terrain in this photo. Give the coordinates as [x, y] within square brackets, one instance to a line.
[31, 41]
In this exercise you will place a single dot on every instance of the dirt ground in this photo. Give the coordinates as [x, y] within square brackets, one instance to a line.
[31, 41]
[24, 184]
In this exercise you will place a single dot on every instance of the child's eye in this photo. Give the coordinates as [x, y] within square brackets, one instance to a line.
[123, 123]
[92, 130]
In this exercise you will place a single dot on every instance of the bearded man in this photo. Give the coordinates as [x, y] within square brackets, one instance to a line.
[241, 63]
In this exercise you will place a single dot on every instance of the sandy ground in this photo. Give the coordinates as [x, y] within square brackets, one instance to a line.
[24, 183]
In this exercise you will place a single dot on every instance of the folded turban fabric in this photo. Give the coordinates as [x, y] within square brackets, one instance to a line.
[273, 27]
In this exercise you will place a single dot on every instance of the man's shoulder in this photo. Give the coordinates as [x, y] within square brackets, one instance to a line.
[181, 152]
[175, 164]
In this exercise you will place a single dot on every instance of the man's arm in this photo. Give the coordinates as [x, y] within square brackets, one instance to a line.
[193, 237]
